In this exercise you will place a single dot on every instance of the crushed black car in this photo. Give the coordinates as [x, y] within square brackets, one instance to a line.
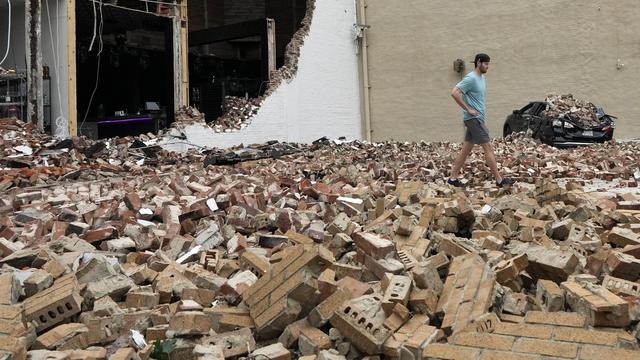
[562, 121]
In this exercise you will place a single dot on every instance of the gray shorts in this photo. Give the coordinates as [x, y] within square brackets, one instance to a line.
[476, 132]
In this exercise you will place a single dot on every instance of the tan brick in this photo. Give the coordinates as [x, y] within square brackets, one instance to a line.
[125, 354]
[524, 330]
[63, 337]
[503, 355]
[623, 266]
[273, 352]
[254, 263]
[467, 293]
[546, 347]
[557, 318]
[592, 352]
[142, 300]
[586, 336]
[484, 340]
[323, 312]
[291, 333]
[17, 347]
[312, 340]
[189, 323]
[374, 245]
[449, 352]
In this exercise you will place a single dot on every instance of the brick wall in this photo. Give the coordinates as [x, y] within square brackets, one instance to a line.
[558, 335]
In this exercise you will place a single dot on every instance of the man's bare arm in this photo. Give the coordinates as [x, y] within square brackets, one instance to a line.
[457, 96]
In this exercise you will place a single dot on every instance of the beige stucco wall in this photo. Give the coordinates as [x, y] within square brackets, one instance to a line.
[537, 46]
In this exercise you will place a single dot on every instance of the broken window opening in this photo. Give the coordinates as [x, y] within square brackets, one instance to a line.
[240, 51]
[132, 76]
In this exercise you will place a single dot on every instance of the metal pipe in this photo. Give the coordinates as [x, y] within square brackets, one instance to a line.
[364, 57]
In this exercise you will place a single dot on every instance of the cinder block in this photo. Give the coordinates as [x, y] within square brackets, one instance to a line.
[55, 304]
[235, 343]
[361, 322]
[600, 306]
[550, 264]
[550, 296]
[397, 292]
[621, 286]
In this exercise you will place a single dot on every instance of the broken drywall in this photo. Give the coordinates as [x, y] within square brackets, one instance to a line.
[321, 99]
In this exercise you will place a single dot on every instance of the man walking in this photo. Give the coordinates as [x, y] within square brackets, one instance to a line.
[469, 93]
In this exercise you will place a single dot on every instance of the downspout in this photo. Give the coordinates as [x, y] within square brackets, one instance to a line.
[361, 30]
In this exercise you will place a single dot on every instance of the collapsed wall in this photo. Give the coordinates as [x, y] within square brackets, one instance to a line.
[315, 94]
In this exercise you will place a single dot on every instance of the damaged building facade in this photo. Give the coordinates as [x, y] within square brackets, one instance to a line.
[289, 66]
[303, 69]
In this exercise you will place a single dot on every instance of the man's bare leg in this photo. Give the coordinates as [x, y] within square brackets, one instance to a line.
[460, 160]
[490, 158]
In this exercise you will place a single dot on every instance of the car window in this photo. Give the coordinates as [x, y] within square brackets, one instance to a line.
[539, 108]
[527, 109]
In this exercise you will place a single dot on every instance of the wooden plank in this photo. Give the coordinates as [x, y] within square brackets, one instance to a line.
[227, 32]
[271, 47]
[71, 68]
[184, 53]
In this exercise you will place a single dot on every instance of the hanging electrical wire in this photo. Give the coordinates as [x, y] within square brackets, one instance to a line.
[6, 54]
[138, 10]
[100, 47]
[95, 21]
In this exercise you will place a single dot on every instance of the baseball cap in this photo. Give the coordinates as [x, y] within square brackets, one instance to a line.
[481, 58]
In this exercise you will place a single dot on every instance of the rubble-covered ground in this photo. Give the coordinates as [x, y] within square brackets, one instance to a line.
[118, 249]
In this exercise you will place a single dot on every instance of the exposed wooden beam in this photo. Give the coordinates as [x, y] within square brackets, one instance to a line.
[33, 46]
[269, 49]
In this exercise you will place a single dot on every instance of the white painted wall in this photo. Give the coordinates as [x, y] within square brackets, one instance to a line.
[17, 51]
[322, 100]
[55, 37]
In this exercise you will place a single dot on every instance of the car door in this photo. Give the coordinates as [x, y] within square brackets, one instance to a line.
[534, 117]
[524, 117]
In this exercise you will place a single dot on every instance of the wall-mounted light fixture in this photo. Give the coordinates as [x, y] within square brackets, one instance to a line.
[458, 66]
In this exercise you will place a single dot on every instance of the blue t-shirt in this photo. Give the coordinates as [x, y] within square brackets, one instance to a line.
[473, 88]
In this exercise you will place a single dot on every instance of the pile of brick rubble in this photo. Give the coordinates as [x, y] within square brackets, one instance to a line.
[117, 249]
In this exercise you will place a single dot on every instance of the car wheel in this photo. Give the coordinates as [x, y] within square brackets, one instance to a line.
[507, 131]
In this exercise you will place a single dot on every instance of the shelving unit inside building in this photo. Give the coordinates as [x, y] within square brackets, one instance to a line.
[13, 95]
